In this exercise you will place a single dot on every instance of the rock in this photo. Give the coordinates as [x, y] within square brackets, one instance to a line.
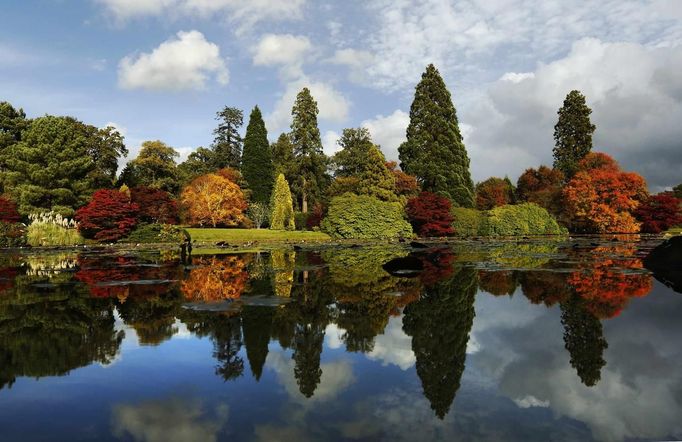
[665, 261]
[418, 245]
[408, 266]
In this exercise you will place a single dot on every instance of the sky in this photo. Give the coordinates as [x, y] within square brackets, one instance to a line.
[161, 69]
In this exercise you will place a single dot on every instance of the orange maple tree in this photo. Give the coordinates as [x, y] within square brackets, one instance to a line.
[213, 200]
[601, 198]
[216, 279]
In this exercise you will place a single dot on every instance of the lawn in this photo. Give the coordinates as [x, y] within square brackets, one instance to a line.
[675, 231]
[245, 235]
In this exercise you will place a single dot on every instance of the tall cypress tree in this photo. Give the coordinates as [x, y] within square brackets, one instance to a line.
[310, 161]
[227, 144]
[434, 151]
[283, 155]
[257, 167]
[572, 134]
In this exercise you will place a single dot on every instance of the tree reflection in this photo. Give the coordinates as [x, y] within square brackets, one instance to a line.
[439, 323]
[257, 325]
[216, 278]
[498, 282]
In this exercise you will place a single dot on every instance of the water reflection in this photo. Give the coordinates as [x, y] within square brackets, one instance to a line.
[324, 324]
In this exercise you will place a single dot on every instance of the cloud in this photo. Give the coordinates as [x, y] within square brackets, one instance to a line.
[285, 50]
[393, 346]
[329, 142]
[635, 99]
[356, 61]
[332, 104]
[181, 63]
[244, 13]
[388, 132]
[168, 420]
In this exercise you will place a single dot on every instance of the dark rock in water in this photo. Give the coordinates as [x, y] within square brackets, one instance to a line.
[408, 266]
[418, 245]
[614, 239]
[222, 244]
[665, 261]
[594, 244]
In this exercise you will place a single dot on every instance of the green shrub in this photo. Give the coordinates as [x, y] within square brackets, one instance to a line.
[12, 234]
[520, 219]
[301, 220]
[466, 222]
[157, 233]
[365, 217]
[51, 229]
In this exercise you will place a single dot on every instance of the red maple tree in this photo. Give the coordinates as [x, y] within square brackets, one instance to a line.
[659, 212]
[430, 215]
[8, 211]
[155, 205]
[109, 216]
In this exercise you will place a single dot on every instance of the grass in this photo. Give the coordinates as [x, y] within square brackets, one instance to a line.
[245, 235]
[674, 231]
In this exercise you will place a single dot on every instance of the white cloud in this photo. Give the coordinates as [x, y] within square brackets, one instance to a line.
[636, 102]
[329, 142]
[245, 13]
[285, 50]
[393, 346]
[356, 61]
[388, 132]
[181, 63]
[332, 104]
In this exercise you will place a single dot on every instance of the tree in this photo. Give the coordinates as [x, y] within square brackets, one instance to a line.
[109, 216]
[659, 212]
[434, 151]
[200, 162]
[430, 215]
[12, 123]
[405, 185]
[494, 192]
[310, 162]
[259, 213]
[584, 340]
[8, 211]
[282, 216]
[257, 166]
[213, 200]
[572, 134]
[227, 144]
[216, 279]
[283, 155]
[602, 199]
[154, 167]
[57, 164]
[105, 150]
[677, 191]
[156, 205]
[542, 186]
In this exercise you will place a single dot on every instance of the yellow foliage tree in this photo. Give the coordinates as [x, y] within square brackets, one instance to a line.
[216, 279]
[213, 200]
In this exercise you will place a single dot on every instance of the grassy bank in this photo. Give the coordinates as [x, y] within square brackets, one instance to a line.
[245, 235]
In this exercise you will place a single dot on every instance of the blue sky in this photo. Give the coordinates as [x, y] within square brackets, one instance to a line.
[160, 69]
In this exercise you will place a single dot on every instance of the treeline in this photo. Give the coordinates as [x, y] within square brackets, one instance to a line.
[69, 168]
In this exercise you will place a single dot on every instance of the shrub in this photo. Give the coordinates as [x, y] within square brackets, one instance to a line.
[155, 205]
[466, 222]
[521, 219]
[213, 200]
[430, 214]
[158, 233]
[109, 216]
[8, 211]
[51, 229]
[365, 217]
[282, 206]
[659, 212]
[301, 220]
[12, 234]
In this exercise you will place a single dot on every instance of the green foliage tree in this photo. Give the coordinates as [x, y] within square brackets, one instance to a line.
[282, 207]
[572, 134]
[58, 163]
[257, 166]
[200, 162]
[361, 160]
[520, 219]
[154, 167]
[227, 144]
[283, 155]
[365, 217]
[434, 151]
[12, 123]
[677, 191]
[310, 165]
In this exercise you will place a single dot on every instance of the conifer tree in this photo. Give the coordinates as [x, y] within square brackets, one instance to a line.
[572, 134]
[257, 165]
[310, 161]
[282, 207]
[283, 155]
[434, 151]
[227, 144]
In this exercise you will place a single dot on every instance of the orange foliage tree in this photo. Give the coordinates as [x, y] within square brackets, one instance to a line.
[405, 184]
[601, 197]
[494, 192]
[213, 200]
[216, 279]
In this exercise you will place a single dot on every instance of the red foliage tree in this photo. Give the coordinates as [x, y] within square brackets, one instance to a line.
[659, 212]
[405, 184]
[155, 205]
[494, 192]
[8, 211]
[430, 215]
[109, 216]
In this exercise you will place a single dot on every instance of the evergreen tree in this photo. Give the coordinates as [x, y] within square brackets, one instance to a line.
[282, 216]
[257, 165]
[572, 134]
[310, 161]
[677, 191]
[227, 144]
[154, 167]
[200, 162]
[283, 155]
[434, 151]
[12, 122]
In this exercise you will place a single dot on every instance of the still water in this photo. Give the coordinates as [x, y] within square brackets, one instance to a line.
[525, 340]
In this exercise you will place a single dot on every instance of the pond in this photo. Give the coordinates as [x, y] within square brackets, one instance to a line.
[516, 340]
